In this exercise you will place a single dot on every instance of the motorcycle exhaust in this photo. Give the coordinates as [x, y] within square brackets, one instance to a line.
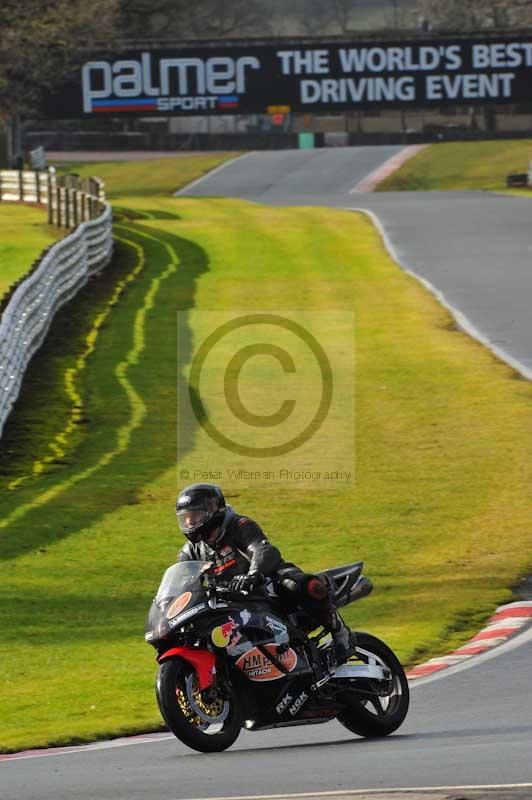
[352, 671]
[362, 588]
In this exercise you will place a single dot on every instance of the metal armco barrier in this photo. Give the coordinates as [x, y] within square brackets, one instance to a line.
[64, 269]
[69, 198]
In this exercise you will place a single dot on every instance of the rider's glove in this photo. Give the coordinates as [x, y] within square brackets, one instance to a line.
[247, 582]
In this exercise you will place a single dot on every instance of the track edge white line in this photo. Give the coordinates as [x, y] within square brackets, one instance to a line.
[358, 792]
[219, 168]
[461, 320]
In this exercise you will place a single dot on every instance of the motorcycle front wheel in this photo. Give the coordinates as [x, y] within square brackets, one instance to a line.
[208, 721]
[380, 707]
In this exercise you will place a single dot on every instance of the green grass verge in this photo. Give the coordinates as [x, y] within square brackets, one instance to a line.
[462, 165]
[156, 177]
[443, 443]
[24, 234]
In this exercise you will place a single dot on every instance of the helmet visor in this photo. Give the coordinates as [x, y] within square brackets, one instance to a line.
[192, 517]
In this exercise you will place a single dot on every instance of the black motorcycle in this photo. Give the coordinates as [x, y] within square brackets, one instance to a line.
[230, 661]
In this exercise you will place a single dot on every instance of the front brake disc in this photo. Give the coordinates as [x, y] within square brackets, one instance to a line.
[212, 712]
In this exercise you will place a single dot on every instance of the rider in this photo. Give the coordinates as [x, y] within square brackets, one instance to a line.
[243, 557]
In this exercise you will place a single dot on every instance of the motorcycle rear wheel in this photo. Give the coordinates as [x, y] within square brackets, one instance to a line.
[204, 721]
[372, 715]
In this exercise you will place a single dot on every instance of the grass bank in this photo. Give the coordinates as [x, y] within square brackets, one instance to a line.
[153, 178]
[443, 444]
[462, 165]
[24, 234]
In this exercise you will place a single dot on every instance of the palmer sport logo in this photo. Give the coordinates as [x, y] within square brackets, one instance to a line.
[164, 84]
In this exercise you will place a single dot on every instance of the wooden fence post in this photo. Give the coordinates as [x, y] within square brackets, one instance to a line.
[68, 204]
[58, 206]
[67, 207]
[75, 208]
[50, 200]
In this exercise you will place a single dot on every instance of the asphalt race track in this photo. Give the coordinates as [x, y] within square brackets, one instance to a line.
[471, 726]
[468, 728]
[281, 174]
[474, 247]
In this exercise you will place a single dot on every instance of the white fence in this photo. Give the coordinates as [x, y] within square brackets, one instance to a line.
[28, 186]
[69, 198]
[28, 315]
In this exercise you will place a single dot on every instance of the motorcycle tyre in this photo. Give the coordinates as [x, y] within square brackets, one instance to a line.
[170, 674]
[357, 718]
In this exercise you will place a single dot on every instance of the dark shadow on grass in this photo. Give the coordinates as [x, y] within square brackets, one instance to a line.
[42, 406]
[157, 377]
[122, 215]
[158, 214]
[81, 618]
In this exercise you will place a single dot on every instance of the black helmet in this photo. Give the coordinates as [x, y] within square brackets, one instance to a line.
[200, 508]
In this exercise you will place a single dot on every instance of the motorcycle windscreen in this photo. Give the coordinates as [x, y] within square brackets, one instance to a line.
[181, 596]
[185, 576]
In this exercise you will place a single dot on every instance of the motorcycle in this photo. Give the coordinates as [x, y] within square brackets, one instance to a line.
[239, 661]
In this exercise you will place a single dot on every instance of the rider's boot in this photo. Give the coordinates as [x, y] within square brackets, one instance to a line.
[342, 638]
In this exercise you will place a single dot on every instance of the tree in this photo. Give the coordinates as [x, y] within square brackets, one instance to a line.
[460, 15]
[312, 16]
[346, 17]
[203, 19]
[40, 42]
[336, 16]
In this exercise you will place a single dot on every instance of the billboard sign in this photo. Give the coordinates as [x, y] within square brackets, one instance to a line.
[218, 79]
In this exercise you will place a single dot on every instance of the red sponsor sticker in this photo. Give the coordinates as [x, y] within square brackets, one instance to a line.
[258, 668]
[178, 605]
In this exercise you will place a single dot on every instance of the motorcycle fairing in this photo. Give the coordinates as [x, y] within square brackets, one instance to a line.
[202, 660]
[257, 641]
[242, 628]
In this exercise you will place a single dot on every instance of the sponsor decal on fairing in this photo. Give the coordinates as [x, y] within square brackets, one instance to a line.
[190, 613]
[222, 634]
[179, 604]
[284, 703]
[303, 697]
[245, 616]
[276, 625]
[257, 667]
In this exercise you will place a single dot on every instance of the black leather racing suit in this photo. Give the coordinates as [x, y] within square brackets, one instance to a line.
[244, 547]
